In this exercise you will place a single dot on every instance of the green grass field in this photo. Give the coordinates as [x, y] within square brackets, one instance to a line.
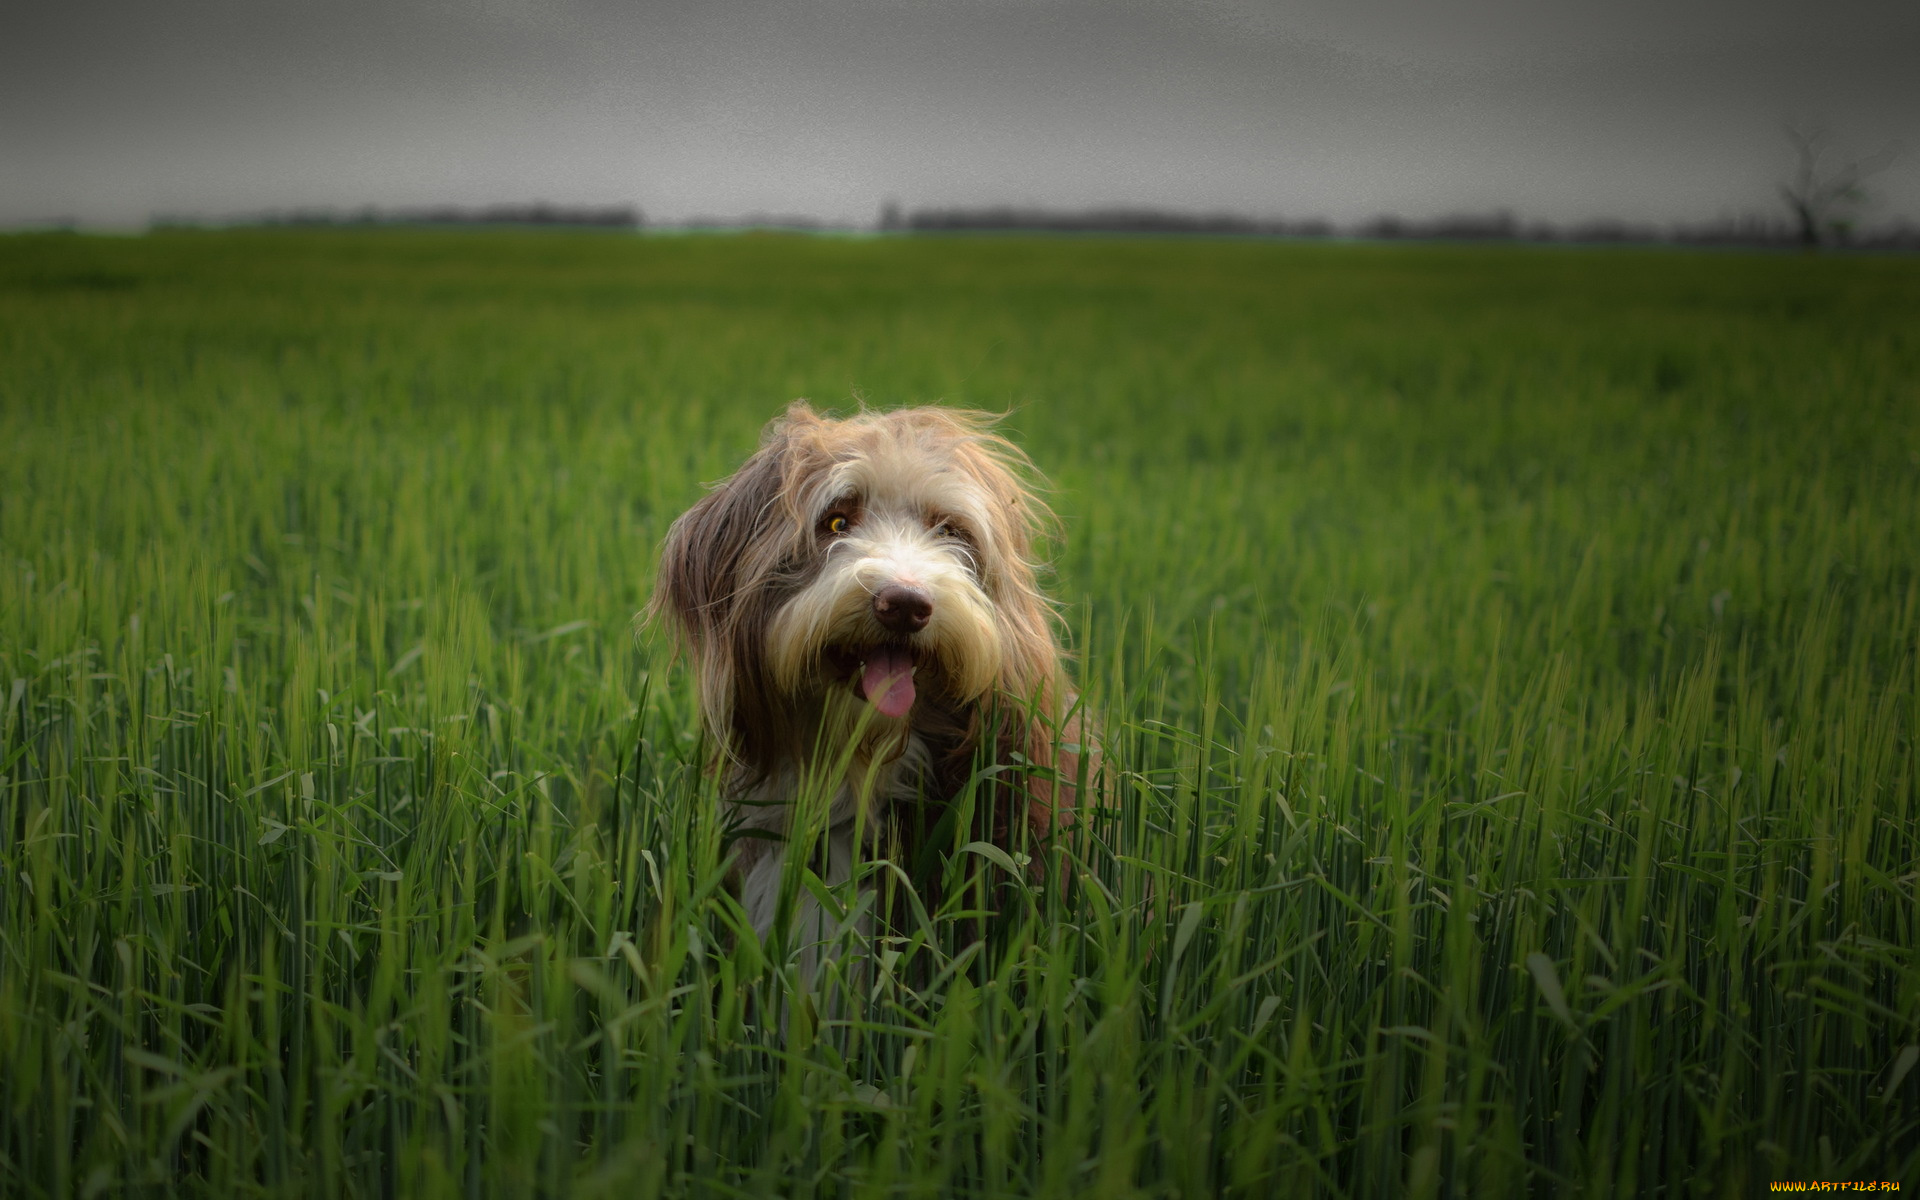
[1506, 659]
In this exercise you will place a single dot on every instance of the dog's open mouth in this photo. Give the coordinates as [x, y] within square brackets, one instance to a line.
[882, 675]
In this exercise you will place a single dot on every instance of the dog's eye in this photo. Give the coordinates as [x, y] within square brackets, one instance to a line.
[837, 523]
[947, 529]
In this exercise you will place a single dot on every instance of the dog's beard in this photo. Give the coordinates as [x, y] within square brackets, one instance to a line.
[826, 638]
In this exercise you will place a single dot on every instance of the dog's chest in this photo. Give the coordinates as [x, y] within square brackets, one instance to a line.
[905, 777]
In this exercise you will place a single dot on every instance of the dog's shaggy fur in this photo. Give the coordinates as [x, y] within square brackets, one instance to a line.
[860, 605]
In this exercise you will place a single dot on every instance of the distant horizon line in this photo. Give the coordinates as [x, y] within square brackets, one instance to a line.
[1493, 225]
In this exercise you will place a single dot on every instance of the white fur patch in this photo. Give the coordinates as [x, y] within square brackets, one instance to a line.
[892, 542]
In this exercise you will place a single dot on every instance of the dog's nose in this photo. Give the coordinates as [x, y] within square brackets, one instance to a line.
[903, 609]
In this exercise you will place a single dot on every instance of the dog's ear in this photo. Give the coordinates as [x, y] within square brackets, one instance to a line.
[701, 577]
[1031, 695]
[699, 583]
[1018, 523]
[713, 583]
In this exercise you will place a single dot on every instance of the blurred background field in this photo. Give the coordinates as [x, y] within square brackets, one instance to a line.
[1506, 657]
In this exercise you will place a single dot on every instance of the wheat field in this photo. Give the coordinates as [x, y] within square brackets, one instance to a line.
[1505, 660]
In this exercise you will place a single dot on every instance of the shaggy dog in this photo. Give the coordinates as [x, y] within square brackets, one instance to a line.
[860, 605]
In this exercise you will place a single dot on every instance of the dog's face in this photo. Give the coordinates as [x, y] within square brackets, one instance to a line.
[884, 559]
[896, 579]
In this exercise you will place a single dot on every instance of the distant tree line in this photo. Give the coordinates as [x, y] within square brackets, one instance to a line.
[613, 216]
[1827, 202]
[1465, 227]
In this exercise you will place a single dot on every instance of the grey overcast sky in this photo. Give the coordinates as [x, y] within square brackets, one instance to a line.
[1563, 110]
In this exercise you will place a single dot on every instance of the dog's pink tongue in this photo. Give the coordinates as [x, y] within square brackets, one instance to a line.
[888, 680]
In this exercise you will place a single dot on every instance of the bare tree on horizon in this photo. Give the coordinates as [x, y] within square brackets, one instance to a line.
[1825, 199]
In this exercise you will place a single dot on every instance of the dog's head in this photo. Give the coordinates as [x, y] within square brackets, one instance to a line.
[887, 558]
